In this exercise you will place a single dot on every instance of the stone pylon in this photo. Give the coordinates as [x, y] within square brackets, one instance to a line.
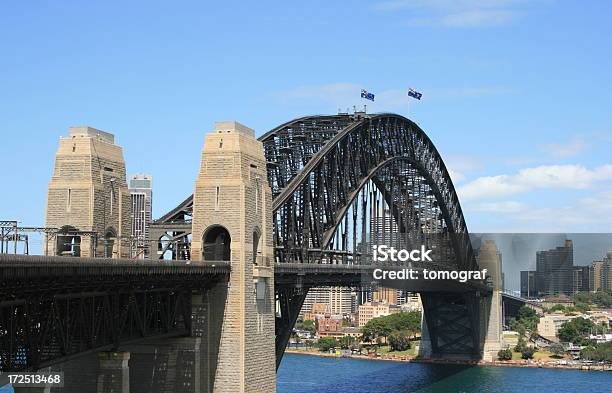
[232, 221]
[88, 197]
[489, 258]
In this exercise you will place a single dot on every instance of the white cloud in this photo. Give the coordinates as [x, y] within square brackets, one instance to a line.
[545, 176]
[457, 13]
[601, 202]
[462, 163]
[456, 177]
[511, 216]
[570, 148]
[504, 207]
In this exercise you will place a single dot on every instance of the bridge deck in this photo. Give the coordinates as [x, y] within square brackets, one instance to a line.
[15, 266]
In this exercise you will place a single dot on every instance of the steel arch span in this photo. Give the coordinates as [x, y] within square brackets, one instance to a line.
[320, 167]
[373, 163]
[343, 182]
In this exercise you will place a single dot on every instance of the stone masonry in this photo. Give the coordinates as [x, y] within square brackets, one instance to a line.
[489, 258]
[232, 192]
[88, 192]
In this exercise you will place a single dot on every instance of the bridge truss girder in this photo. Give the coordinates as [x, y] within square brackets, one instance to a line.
[54, 308]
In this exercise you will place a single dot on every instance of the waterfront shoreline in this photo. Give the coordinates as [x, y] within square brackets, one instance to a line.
[496, 363]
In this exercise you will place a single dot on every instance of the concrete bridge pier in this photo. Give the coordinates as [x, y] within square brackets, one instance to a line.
[425, 350]
[232, 221]
[489, 258]
[182, 364]
[166, 366]
[101, 372]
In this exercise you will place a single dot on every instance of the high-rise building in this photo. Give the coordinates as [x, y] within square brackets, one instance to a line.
[338, 300]
[528, 284]
[141, 192]
[383, 227]
[581, 279]
[369, 311]
[606, 273]
[412, 302]
[390, 296]
[556, 259]
[596, 273]
[556, 273]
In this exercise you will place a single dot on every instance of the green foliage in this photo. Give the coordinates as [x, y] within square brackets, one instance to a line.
[310, 326]
[384, 326]
[517, 326]
[582, 307]
[598, 352]
[528, 353]
[327, 343]
[557, 349]
[528, 318]
[557, 307]
[504, 354]
[399, 341]
[346, 342]
[306, 325]
[602, 328]
[575, 329]
[520, 345]
[599, 298]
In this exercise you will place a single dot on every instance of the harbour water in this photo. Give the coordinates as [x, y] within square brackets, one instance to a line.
[313, 374]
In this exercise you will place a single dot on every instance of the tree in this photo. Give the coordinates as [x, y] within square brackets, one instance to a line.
[557, 307]
[345, 342]
[575, 329]
[399, 341]
[599, 298]
[384, 326]
[557, 349]
[582, 307]
[598, 352]
[528, 318]
[528, 352]
[520, 345]
[504, 354]
[602, 328]
[309, 326]
[326, 343]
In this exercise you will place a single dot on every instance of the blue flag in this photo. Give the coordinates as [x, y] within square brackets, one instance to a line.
[415, 94]
[366, 95]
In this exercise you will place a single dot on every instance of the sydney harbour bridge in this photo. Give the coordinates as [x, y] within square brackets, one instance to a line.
[298, 208]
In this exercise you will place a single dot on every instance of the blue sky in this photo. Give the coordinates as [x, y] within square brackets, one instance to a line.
[516, 93]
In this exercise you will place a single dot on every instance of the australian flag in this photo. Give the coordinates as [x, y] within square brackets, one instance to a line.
[415, 94]
[366, 95]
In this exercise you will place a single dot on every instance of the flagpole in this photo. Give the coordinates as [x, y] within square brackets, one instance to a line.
[408, 108]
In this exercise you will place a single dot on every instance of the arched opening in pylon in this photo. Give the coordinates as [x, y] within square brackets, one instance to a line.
[216, 244]
[68, 242]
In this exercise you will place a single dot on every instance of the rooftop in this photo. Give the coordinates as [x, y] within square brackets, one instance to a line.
[229, 126]
[91, 132]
